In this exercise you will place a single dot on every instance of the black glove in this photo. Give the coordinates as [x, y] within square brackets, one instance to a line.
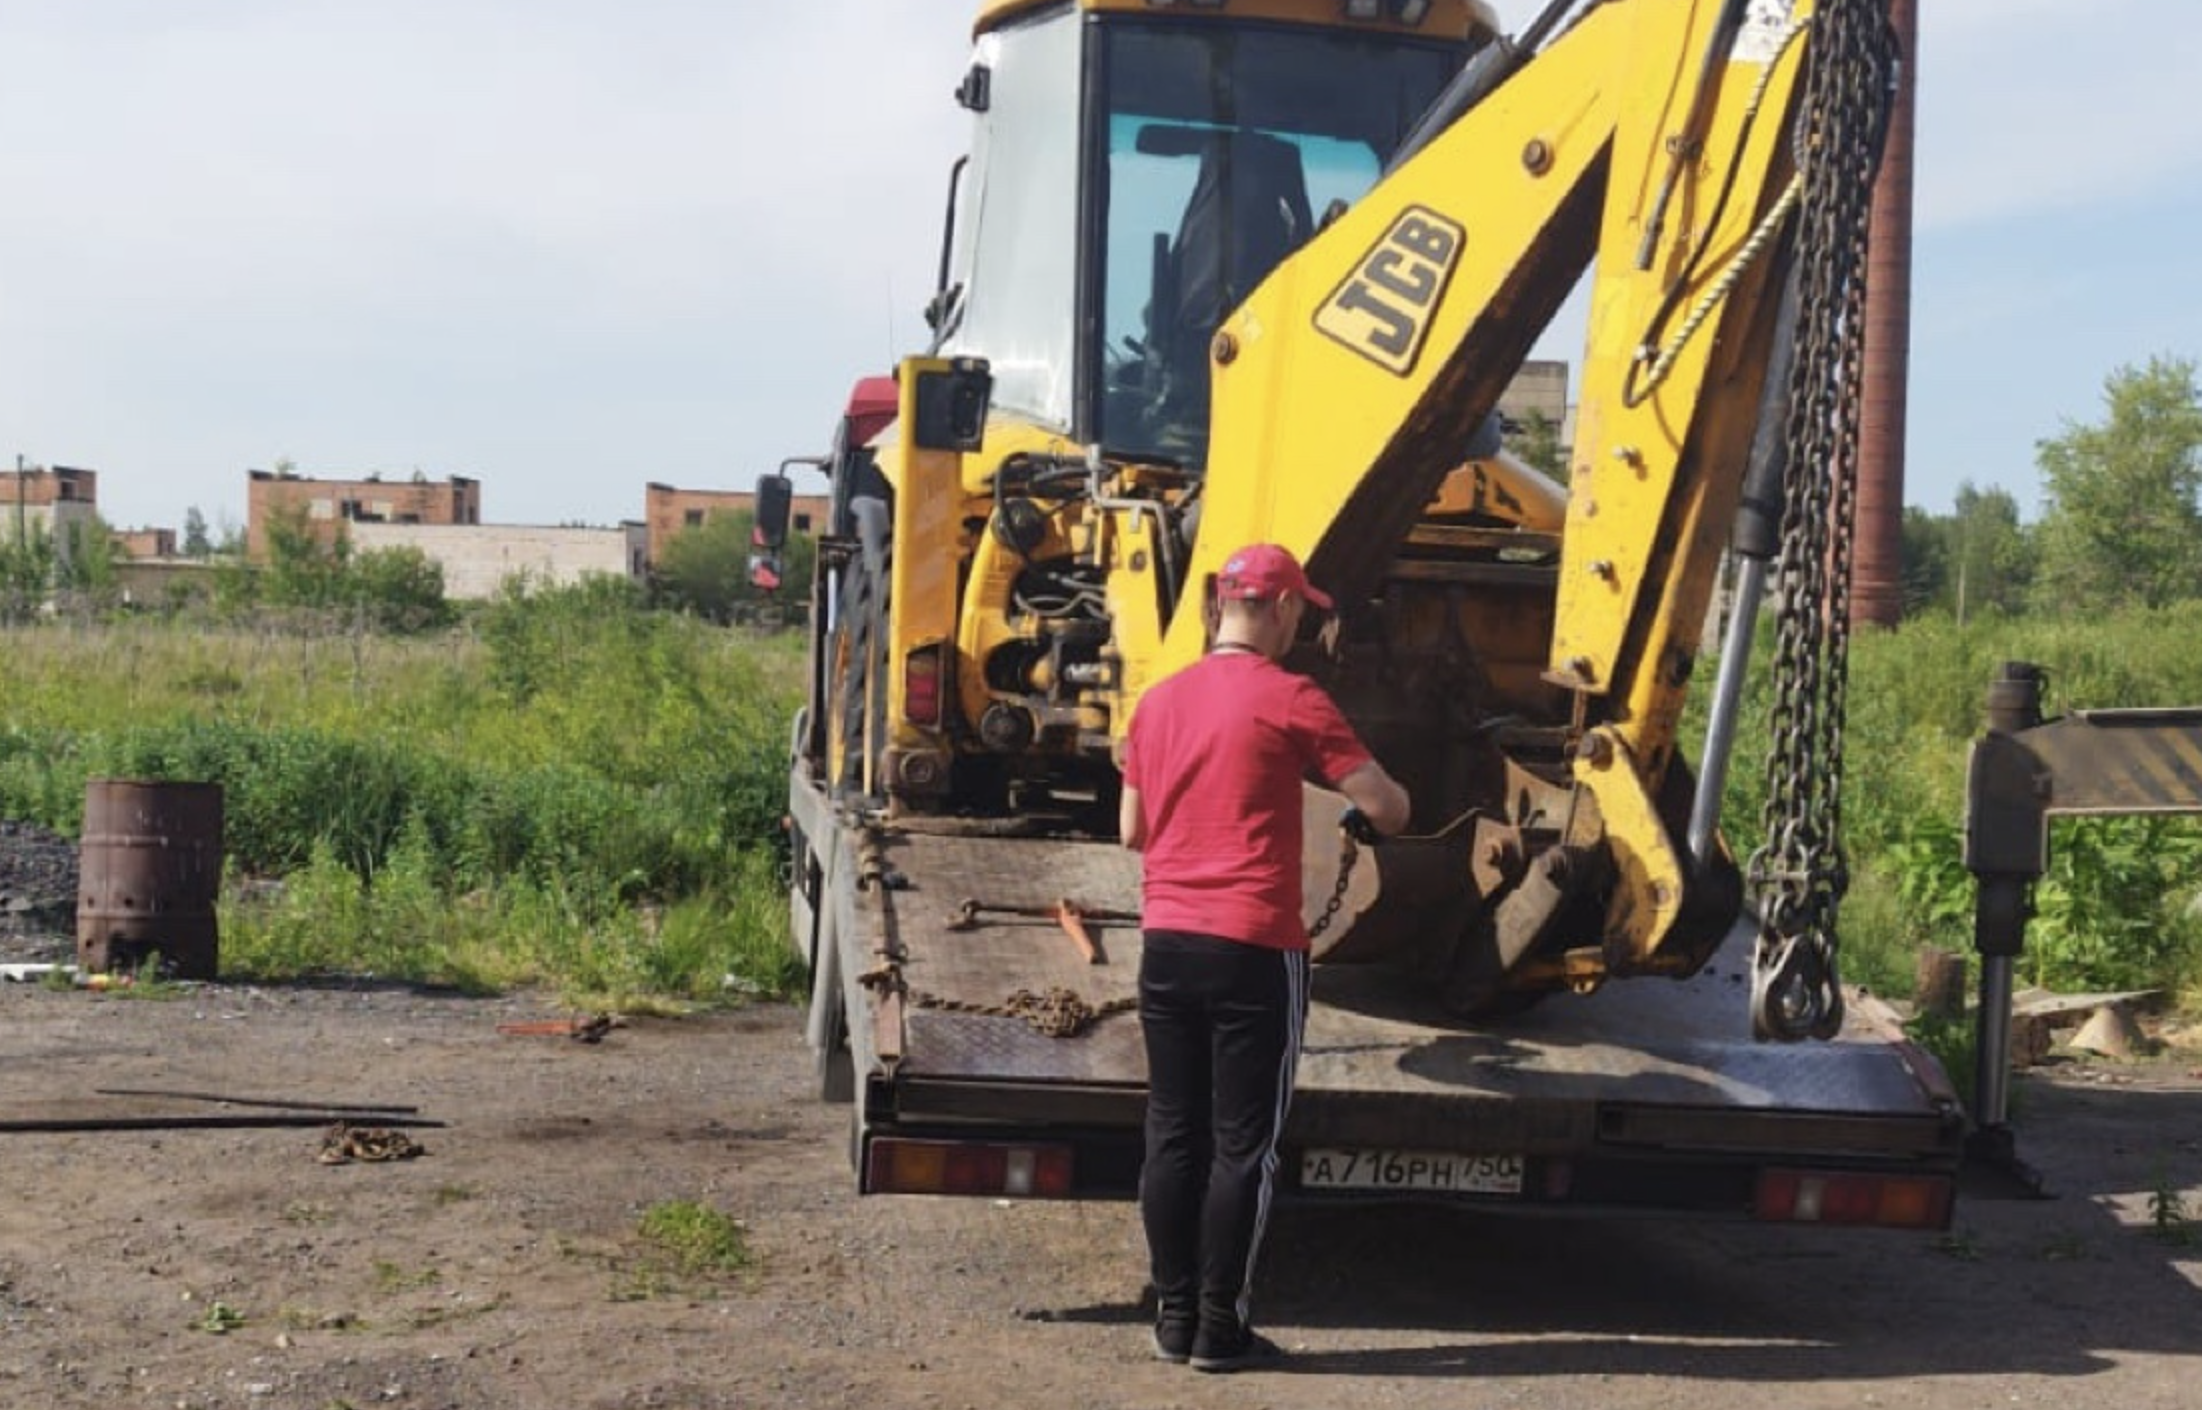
[1356, 825]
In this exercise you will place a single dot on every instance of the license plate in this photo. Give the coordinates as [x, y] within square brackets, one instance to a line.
[1438, 1172]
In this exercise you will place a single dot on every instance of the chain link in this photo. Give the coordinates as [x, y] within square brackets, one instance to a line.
[1055, 1012]
[1800, 873]
[1347, 853]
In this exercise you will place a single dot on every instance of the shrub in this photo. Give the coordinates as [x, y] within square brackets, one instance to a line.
[612, 830]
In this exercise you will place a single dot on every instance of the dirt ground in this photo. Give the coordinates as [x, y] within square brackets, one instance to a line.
[503, 1267]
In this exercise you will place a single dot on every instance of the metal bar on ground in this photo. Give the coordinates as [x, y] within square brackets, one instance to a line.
[56, 1124]
[354, 1109]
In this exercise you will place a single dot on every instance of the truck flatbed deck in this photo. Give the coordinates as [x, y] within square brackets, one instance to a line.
[1594, 1095]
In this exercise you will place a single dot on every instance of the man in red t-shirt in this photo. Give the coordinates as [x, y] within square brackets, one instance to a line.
[1213, 765]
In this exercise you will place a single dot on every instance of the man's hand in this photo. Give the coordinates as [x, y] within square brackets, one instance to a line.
[1376, 799]
[1356, 825]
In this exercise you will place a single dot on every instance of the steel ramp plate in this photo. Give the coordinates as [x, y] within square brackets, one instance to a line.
[987, 963]
[1647, 1040]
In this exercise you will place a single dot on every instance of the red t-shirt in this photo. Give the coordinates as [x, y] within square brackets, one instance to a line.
[1218, 752]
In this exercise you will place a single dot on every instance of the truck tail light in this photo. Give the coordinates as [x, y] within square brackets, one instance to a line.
[922, 687]
[898, 1165]
[1852, 1197]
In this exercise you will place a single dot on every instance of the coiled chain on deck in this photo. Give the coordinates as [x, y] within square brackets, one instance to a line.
[1800, 873]
[1054, 1012]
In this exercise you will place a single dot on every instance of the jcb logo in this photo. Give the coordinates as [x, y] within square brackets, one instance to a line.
[1383, 309]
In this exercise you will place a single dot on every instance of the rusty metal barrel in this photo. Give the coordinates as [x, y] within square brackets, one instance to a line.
[151, 867]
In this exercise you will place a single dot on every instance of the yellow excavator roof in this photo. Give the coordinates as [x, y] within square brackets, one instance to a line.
[1446, 19]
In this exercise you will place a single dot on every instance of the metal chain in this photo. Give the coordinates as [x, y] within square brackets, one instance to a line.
[1347, 853]
[1800, 874]
[1055, 1012]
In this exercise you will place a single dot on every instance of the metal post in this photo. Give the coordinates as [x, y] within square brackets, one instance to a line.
[1999, 930]
[2003, 851]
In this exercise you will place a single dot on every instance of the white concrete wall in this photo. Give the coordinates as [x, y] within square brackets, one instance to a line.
[52, 520]
[478, 558]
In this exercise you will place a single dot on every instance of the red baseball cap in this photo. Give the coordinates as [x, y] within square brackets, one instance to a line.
[1263, 570]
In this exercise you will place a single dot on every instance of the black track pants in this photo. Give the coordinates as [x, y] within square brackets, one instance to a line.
[1222, 1023]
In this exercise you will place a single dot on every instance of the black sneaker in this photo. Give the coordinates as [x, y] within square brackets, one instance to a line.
[1173, 1333]
[1234, 1349]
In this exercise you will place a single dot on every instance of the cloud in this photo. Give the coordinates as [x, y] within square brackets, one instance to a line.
[529, 242]
[343, 147]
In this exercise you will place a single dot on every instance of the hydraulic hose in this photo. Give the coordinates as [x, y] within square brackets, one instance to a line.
[1481, 76]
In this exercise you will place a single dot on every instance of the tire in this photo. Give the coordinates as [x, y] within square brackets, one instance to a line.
[826, 1027]
[859, 648]
[835, 1071]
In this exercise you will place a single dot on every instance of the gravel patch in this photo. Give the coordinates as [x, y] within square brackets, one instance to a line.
[38, 888]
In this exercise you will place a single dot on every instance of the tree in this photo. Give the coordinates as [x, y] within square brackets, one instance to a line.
[399, 589]
[1979, 558]
[76, 559]
[85, 558]
[1991, 554]
[1536, 439]
[705, 569]
[26, 571]
[389, 589]
[2122, 523]
[1925, 556]
[196, 543]
[302, 569]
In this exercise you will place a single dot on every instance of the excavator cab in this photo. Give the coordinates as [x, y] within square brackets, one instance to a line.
[1209, 141]
[1247, 211]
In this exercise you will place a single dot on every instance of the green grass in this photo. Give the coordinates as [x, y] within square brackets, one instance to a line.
[567, 791]
[563, 791]
[1953, 1043]
[395, 1277]
[695, 1239]
[688, 1249]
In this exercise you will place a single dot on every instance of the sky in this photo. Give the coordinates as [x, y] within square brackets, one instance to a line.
[571, 246]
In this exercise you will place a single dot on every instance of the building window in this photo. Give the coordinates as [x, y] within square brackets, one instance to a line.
[802, 523]
[692, 518]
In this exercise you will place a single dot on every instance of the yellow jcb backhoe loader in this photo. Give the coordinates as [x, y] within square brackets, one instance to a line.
[1221, 271]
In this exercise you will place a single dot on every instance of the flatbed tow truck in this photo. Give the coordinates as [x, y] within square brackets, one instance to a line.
[1233, 271]
[1642, 1098]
